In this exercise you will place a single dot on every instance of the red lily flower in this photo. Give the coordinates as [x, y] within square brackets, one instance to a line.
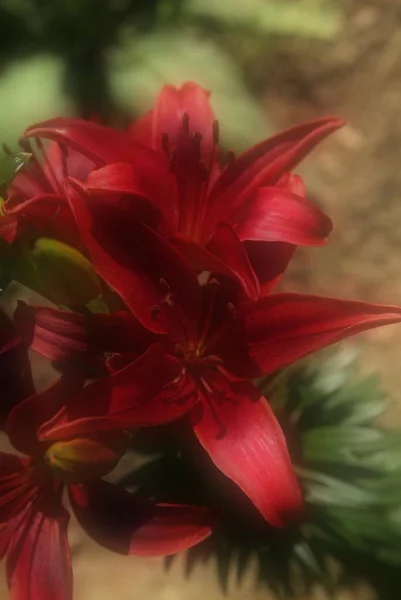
[209, 351]
[205, 211]
[15, 371]
[36, 197]
[33, 536]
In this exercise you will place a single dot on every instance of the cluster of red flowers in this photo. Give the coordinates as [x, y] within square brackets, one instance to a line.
[186, 248]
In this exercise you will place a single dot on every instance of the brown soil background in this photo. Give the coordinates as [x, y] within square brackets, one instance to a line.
[356, 177]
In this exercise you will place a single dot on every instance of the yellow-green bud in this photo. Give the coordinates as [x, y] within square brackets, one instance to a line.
[62, 274]
[82, 459]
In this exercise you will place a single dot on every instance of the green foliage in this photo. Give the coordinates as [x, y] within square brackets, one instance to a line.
[100, 56]
[308, 18]
[10, 164]
[141, 67]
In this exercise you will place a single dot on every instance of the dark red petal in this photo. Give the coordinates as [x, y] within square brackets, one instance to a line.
[126, 524]
[15, 370]
[25, 419]
[77, 338]
[118, 185]
[282, 328]
[265, 163]
[224, 255]
[275, 215]
[48, 214]
[59, 335]
[15, 489]
[269, 262]
[226, 245]
[134, 260]
[146, 392]
[245, 441]
[38, 558]
[14, 522]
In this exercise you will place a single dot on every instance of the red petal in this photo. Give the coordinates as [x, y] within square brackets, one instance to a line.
[146, 392]
[25, 419]
[245, 441]
[16, 489]
[269, 262]
[28, 183]
[77, 338]
[282, 328]
[125, 524]
[63, 161]
[104, 145]
[97, 142]
[141, 130]
[48, 214]
[224, 255]
[275, 215]
[134, 260]
[265, 163]
[118, 184]
[10, 228]
[115, 177]
[57, 334]
[226, 245]
[15, 370]
[171, 106]
[38, 558]
[292, 183]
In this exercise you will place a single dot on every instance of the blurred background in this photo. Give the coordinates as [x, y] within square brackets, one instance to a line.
[270, 64]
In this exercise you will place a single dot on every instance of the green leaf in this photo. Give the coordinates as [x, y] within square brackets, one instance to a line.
[338, 444]
[10, 164]
[326, 490]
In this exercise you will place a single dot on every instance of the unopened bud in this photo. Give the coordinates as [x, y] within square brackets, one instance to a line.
[82, 459]
[62, 274]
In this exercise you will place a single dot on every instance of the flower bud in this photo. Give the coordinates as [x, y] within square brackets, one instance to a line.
[62, 274]
[82, 459]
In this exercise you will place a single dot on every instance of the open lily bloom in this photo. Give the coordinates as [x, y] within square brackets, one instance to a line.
[219, 217]
[35, 200]
[33, 536]
[201, 366]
